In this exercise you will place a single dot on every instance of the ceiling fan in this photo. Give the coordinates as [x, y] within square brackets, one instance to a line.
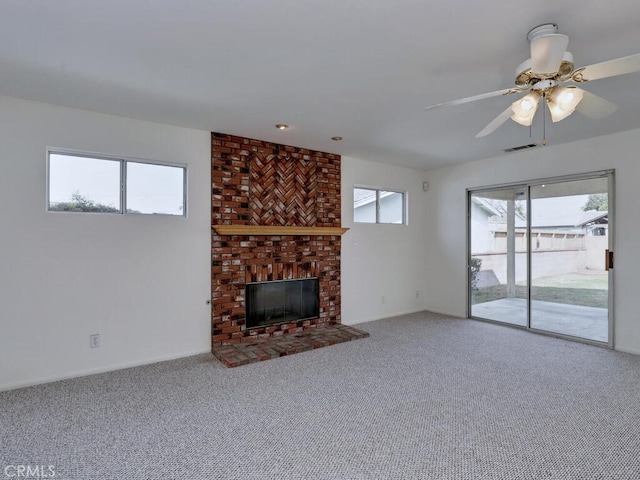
[543, 76]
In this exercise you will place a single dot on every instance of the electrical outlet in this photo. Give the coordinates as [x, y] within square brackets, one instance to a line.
[382, 299]
[417, 293]
[94, 340]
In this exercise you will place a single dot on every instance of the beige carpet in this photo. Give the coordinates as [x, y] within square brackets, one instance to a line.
[425, 397]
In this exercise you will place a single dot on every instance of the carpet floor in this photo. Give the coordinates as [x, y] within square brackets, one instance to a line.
[425, 397]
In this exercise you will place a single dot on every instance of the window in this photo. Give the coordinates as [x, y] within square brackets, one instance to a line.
[88, 183]
[378, 206]
[153, 188]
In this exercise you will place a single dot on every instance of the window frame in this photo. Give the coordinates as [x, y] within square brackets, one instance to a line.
[123, 162]
[404, 194]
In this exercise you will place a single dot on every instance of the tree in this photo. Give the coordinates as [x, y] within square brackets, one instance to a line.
[597, 201]
[80, 203]
[476, 265]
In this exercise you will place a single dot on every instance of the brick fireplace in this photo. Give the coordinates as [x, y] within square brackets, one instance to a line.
[275, 216]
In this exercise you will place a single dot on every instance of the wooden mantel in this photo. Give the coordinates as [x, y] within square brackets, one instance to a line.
[276, 230]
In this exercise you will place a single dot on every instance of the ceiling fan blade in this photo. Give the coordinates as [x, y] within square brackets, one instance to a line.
[482, 96]
[547, 52]
[595, 107]
[610, 68]
[495, 123]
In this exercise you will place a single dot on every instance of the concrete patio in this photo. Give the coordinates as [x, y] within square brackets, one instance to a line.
[574, 320]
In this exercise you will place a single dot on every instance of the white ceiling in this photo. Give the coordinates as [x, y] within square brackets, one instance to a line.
[361, 69]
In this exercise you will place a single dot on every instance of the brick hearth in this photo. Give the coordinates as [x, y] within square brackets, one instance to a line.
[261, 349]
[266, 184]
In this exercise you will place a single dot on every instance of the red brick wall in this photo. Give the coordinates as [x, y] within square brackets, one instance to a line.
[263, 183]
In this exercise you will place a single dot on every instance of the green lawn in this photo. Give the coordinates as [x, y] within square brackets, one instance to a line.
[588, 297]
[591, 280]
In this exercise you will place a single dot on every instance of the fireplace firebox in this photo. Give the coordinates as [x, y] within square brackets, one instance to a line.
[270, 303]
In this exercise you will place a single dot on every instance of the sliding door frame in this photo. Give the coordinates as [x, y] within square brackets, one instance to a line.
[610, 175]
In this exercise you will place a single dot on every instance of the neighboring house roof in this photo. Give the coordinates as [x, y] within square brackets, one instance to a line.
[362, 196]
[593, 216]
[486, 205]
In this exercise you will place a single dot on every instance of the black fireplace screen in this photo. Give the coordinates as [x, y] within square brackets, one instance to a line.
[269, 303]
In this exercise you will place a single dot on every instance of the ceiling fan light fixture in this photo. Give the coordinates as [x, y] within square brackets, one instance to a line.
[525, 108]
[563, 101]
[549, 65]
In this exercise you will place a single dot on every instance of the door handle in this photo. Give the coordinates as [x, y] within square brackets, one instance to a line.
[608, 259]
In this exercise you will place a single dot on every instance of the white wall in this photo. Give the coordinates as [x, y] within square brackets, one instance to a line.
[446, 272]
[482, 239]
[595, 246]
[382, 260]
[139, 281]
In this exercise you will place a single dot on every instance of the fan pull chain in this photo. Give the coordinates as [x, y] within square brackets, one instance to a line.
[544, 118]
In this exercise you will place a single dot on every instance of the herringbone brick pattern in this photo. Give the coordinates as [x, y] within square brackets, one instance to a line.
[283, 191]
[263, 183]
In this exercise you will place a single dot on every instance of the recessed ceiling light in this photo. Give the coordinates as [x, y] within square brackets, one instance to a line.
[282, 126]
[336, 139]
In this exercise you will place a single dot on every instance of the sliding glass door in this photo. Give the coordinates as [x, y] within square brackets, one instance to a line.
[498, 254]
[569, 240]
[539, 256]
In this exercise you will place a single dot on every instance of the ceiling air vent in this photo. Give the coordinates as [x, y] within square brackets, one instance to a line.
[521, 147]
